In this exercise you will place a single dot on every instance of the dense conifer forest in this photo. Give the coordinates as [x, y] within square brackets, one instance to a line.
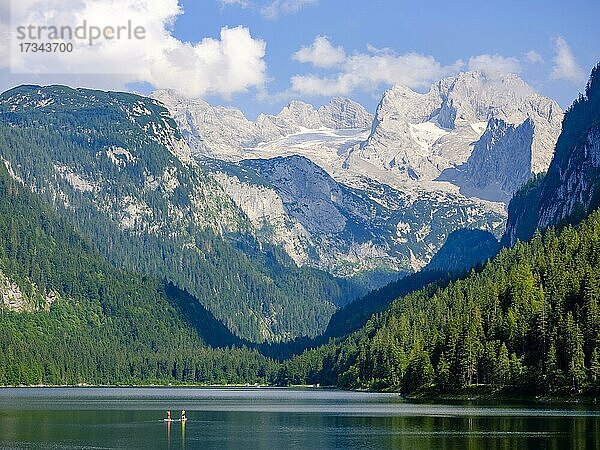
[87, 322]
[528, 323]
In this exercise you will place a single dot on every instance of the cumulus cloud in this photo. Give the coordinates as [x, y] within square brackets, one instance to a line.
[494, 64]
[565, 66]
[376, 67]
[278, 8]
[534, 57]
[367, 71]
[230, 63]
[321, 53]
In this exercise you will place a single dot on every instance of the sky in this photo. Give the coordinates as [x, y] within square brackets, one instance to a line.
[257, 55]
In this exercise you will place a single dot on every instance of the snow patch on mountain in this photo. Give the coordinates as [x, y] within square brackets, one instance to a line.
[225, 133]
[455, 110]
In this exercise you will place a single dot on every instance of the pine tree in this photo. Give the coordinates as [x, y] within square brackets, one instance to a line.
[574, 353]
[442, 374]
[419, 372]
[552, 372]
[502, 373]
[591, 294]
[595, 369]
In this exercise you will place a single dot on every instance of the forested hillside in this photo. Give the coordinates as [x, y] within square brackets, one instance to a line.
[528, 323]
[82, 321]
[114, 165]
[463, 250]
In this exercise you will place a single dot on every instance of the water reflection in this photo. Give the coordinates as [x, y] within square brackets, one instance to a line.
[169, 423]
[281, 419]
[169, 434]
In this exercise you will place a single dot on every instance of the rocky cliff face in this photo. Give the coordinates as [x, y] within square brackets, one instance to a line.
[14, 298]
[224, 133]
[346, 230]
[209, 130]
[501, 162]
[579, 185]
[419, 135]
[11, 296]
[571, 188]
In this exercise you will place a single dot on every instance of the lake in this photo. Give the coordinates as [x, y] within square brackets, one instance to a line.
[250, 418]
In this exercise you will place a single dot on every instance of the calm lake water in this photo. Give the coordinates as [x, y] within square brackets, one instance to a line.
[249, 418]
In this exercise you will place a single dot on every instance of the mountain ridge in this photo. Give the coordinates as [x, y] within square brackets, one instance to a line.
[456, 111]
[487, 173]
[112, 165]
[570, 188]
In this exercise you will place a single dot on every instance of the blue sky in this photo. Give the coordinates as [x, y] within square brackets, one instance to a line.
[257, 55]
[449, 31]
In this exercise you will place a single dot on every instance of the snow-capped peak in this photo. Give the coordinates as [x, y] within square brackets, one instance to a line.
[460, 105]
[223, 132]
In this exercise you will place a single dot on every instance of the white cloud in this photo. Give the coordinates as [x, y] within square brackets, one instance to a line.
[278, 8]
[534, 57]
[241, 3]
[494, 64]
[565, 66]
[321, 53]
[225, 65]
[367, 71]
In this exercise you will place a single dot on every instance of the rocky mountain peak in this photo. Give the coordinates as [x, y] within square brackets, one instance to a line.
[419, 135]
[402, 103]
[341, 113]
[475, 96]
[570, 189]
[301, 114]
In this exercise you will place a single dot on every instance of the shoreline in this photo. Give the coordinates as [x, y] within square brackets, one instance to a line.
[539, 400]
[414, 398]
[150, 385]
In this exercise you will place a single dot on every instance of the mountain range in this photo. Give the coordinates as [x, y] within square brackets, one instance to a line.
[130, 253]
[422, 167]
[180, 189]
[525, 323]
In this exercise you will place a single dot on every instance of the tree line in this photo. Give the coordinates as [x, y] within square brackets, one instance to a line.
[527, 323]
